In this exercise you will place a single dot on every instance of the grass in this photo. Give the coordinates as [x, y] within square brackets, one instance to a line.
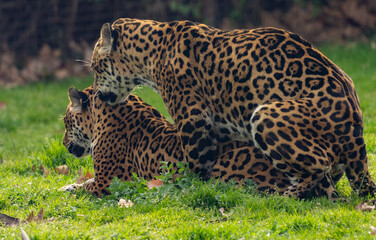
[30, 136]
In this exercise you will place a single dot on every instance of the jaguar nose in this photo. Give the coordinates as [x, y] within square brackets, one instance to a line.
[79, 151]
[102, 96]
[112, 97]
[76, 150]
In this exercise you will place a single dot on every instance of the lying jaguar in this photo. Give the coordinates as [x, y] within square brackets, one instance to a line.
[134, 137]
[266, 87]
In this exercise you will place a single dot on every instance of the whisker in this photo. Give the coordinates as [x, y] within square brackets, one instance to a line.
[83, 61]
[86, 63]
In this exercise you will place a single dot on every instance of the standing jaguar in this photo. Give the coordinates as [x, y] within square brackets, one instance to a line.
[266, 87]
[133, 137]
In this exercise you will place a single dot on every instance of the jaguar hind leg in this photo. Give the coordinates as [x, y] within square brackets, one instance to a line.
[300, 188]
[357, 166]
[248, 162]
[326, 188]
[290, 134]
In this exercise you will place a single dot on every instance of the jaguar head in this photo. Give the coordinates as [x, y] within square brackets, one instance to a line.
[115, 72]
[78, 124]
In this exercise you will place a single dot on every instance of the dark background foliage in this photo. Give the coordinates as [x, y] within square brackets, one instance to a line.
[39, 39]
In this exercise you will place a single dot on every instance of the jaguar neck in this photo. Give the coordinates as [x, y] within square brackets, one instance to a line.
[99, 111]
[144, 48]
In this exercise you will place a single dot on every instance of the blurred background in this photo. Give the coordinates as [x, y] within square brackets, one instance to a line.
[44, 39]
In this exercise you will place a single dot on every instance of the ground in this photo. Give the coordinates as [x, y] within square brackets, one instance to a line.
[31, 133]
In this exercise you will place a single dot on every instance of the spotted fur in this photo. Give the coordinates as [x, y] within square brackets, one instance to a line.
[133, 137]
[266, 87]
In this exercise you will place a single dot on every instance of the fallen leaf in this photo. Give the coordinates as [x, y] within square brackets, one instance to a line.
[30, 217]
[8, 220]
[11, 221]
[83, 178]
[80, 179]
[364, 207]
[373, 230]
[62, 169]
[45, 170]
[24, 235]
[3, 105]
[219, 220]
[224, 215]
[154, 184]
[88, 176]
[222, 211]
[40, 216]
[125, 203]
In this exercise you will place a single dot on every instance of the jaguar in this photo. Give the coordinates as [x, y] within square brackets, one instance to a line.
[133, 137]
[266, 87]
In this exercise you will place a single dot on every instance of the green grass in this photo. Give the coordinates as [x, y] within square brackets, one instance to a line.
[30, 136]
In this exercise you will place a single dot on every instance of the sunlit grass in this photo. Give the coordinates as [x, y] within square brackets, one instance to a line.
[30, 137]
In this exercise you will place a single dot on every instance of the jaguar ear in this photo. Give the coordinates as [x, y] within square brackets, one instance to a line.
[106, 39]
[75, 98]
